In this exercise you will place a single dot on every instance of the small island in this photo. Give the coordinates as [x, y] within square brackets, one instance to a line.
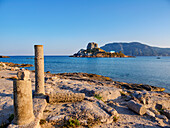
[4, 57]
[94, 51]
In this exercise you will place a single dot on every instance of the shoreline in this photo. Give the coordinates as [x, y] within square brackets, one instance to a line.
[102, 94]
[120, 84]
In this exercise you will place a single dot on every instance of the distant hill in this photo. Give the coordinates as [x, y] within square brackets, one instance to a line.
[136, 49]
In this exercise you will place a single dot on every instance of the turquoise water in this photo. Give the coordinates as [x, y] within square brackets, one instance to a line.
[146, 70]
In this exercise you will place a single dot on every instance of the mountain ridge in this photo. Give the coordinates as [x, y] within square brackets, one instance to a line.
[136, 49]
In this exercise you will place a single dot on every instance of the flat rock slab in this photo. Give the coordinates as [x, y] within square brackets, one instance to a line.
[6, 96]
[107, 93]
[88, 109]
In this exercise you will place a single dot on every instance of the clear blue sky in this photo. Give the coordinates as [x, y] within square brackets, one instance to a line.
[65, 26]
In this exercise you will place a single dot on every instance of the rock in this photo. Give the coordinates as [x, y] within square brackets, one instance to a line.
[167, 113]
[84, 122]
[107, 95]
[4, 57]
[92, 45]
[142, 97]
[12, 69]
[57, 118]
[108, 109]
[3, 65]
[160, 102]
[140, 87]
[162, 117]
[150, 113]
[160, 122]
[10, 64]
[48, 72]
[16, 68]
[91, 110]
[136, 107]
[154, 111]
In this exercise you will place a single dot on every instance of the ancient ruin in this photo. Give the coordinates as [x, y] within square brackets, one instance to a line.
[23, 105]
[39, 69]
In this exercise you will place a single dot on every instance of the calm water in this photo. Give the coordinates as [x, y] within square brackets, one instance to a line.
[146, 70]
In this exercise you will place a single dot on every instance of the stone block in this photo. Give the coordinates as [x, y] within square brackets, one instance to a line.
[23, 75]
[66, 97]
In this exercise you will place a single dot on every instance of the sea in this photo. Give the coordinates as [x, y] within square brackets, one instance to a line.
[141, 70]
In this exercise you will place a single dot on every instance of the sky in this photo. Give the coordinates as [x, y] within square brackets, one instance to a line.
[65, 26]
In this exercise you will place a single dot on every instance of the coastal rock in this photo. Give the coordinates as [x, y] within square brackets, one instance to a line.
[3, 65]
[92, 45]
[10, 65]
[108, 94]
[4, 57]
[57, 118]
[156, 112]
[167, 113]
[164, 101]
[162, 117]
[150, 113]
[139, 87]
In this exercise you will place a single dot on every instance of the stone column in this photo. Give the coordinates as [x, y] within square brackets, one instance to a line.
[23, 105]
[136, 107]
[39, 69]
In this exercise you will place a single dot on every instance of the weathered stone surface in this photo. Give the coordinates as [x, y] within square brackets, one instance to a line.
[66, 97]
[57, 118]
[108, 109]
[150, 113]
[23, 75]
[154, 111]
[92, 45]
[136, 107]
[39, 104]
[162, 117]
[10, 64]
[164, 102]
[39, 69]
[139, 87]
[107, 94]
[23, 107]
[167, 113]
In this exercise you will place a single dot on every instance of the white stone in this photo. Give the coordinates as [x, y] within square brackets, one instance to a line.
[57, 118]
[150, 113]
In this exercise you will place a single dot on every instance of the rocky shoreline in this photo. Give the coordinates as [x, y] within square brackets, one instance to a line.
[101, 101]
